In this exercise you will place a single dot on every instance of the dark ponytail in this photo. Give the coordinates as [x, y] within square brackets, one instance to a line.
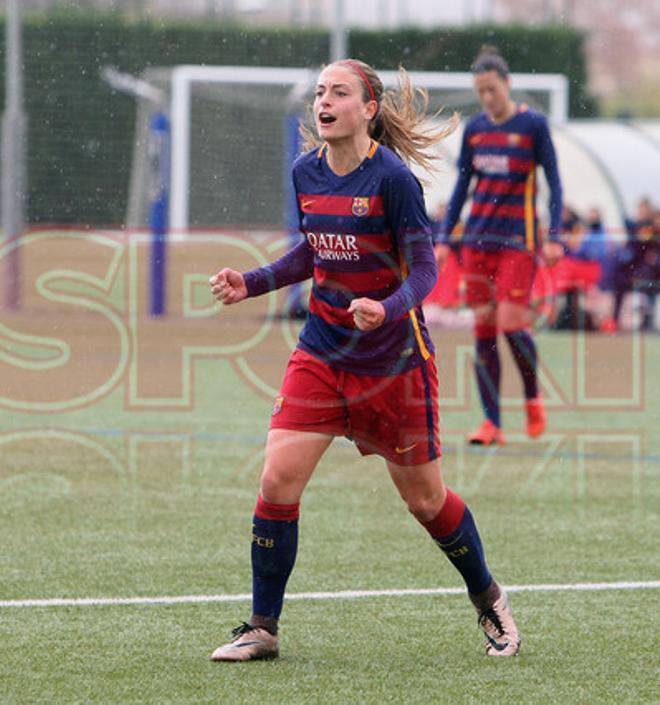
[490, 59]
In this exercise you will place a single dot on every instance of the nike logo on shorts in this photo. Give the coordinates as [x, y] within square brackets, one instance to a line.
[404, 450]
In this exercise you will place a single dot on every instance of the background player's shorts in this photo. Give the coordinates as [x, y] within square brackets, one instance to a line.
[497, 276]
[396, 416]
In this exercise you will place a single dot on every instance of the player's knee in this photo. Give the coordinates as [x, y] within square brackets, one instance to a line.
[278, 484]
[425, 507]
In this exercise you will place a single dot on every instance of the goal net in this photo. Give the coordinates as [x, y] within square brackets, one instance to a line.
[234, 135]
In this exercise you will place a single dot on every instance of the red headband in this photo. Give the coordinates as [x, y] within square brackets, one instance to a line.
[363, 76]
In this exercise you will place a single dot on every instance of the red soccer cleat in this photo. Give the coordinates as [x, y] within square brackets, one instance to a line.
[609, 325]
[536, 419]
[487, 434]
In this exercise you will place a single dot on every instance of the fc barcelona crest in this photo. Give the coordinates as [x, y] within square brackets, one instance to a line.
[514, 139]
[360, 206]
[277, 406]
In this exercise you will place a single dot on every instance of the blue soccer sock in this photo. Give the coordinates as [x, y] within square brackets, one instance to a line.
[455, 532]
[274, 548]
[524, 353]
[487, 368]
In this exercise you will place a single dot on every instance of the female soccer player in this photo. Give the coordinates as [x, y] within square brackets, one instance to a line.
[501, 147]
[364, 365]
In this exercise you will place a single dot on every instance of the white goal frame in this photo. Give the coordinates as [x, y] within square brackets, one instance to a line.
[556, 86]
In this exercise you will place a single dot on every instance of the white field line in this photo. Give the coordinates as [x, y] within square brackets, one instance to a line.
[340, 595]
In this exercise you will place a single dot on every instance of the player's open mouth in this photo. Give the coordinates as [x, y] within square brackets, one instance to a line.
[326, 118]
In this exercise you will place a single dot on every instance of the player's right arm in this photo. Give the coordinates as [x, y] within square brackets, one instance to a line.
[229, 286]
[460, 192]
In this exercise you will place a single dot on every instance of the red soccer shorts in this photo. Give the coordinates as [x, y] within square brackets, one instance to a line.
[497, 276]
[396, 417]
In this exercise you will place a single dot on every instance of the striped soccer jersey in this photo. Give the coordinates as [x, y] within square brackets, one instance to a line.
[359, 229]
[503, 158]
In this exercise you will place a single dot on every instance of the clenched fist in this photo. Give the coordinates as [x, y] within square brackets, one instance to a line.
[228, 286]
[367, 313]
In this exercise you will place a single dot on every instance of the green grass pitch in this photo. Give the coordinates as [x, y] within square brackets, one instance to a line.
[110, 502]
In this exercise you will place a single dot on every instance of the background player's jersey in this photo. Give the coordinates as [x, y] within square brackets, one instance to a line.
[359, 229]
[504, 157]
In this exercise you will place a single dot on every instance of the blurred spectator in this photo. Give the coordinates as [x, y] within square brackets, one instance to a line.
[642, 227]
[646, 279]
[632, 272]
[593, 246]
[569, 219]
[578, 274]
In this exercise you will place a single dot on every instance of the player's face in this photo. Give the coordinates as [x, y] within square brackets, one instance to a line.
[339, 108]
[493, 92]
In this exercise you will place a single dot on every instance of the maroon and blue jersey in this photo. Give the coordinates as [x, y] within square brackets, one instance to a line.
[364, 234]
[504, 158]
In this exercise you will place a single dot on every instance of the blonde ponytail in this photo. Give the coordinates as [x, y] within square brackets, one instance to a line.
[399, 120]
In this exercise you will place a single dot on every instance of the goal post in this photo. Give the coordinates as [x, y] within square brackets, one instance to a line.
[183, 79]
[300, 82]
[234, 136]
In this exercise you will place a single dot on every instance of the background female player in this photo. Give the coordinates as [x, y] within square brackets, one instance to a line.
[501, 147]
[364, 364]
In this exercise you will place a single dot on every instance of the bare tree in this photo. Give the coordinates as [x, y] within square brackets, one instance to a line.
[623, 41]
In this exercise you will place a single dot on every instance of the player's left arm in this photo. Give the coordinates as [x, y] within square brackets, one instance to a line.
[410, 226]
[546, 156]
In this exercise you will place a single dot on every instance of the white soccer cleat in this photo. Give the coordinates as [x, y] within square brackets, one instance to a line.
[250, 643]
[502, 638]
